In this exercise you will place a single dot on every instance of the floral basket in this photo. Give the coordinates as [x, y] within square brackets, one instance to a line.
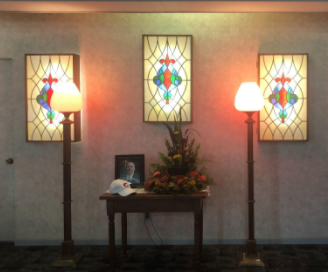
[168, 184]
[181, 171]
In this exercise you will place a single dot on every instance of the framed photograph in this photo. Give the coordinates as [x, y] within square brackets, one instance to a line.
[130, 168]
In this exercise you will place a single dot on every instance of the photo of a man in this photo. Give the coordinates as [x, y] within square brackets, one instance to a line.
[130, 174]
[130, 168]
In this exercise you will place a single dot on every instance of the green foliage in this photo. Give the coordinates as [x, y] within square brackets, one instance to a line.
[167, 162]
[202, 161]
[168, 146]
[191, 145]
[155, 166]
[204, 172]
[180, 154]
[196, 151]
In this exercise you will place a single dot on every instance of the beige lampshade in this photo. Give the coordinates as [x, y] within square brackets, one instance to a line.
[249, 97]
[66, 97]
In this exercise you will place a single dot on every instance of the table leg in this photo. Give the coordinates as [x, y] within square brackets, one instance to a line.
[124, 233]
[197, 217]
[111, 224]
[201, 224]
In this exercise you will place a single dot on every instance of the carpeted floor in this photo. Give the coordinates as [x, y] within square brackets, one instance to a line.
[277, 258]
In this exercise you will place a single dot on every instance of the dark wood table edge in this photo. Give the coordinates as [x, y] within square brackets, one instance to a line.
[106, 196]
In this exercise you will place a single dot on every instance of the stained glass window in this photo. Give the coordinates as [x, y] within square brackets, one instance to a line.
[42, 71]
[167, 77]
[283, 81]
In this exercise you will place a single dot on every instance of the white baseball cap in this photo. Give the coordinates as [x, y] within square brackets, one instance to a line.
[121, 187]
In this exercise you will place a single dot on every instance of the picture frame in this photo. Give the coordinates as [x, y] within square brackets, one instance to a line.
[130, 168]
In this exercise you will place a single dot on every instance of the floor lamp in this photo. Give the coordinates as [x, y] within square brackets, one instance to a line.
[249, 99]
[67, 99]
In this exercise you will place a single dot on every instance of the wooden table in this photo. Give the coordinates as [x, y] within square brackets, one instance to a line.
[141, 203]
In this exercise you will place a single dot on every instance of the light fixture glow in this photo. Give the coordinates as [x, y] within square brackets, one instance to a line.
[249, 97]
[283, 80]
[167, 77]
[43, 71]
[66, 97]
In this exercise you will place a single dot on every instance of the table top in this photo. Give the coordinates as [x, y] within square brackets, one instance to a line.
[108, 196]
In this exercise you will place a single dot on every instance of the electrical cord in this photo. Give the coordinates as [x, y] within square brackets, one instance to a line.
[154, 230]
[149, 232]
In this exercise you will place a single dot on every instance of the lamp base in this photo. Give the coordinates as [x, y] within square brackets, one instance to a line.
[251, 260]
[67, 261]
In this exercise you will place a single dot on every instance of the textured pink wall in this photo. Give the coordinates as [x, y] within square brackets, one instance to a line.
[290, 178]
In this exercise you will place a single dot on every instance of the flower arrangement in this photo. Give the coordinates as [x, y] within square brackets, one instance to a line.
[164, 183]
[180, 155]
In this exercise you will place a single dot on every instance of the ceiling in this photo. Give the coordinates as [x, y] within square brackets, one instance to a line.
[163, 6]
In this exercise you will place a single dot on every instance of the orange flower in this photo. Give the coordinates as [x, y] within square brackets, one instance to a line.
[186, 149]
[156, 173]
[203, 177]
[179, 180]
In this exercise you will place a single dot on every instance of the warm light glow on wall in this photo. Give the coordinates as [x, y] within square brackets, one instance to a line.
[167, 77]
[42, 73]
[283, 81]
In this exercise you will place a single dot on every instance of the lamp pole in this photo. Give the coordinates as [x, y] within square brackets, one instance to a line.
[68, 243]
[251, 242]
[67, 99]
[249, 99]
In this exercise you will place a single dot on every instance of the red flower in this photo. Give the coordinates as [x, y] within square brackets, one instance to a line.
[203, 177]
[192, 174]
[164, 178]
[192, 160]
[179, 180]
[150, 185]
[186, 149]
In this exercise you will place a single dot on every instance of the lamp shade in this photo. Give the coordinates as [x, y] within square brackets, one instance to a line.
[249, 97]
[66, 97]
